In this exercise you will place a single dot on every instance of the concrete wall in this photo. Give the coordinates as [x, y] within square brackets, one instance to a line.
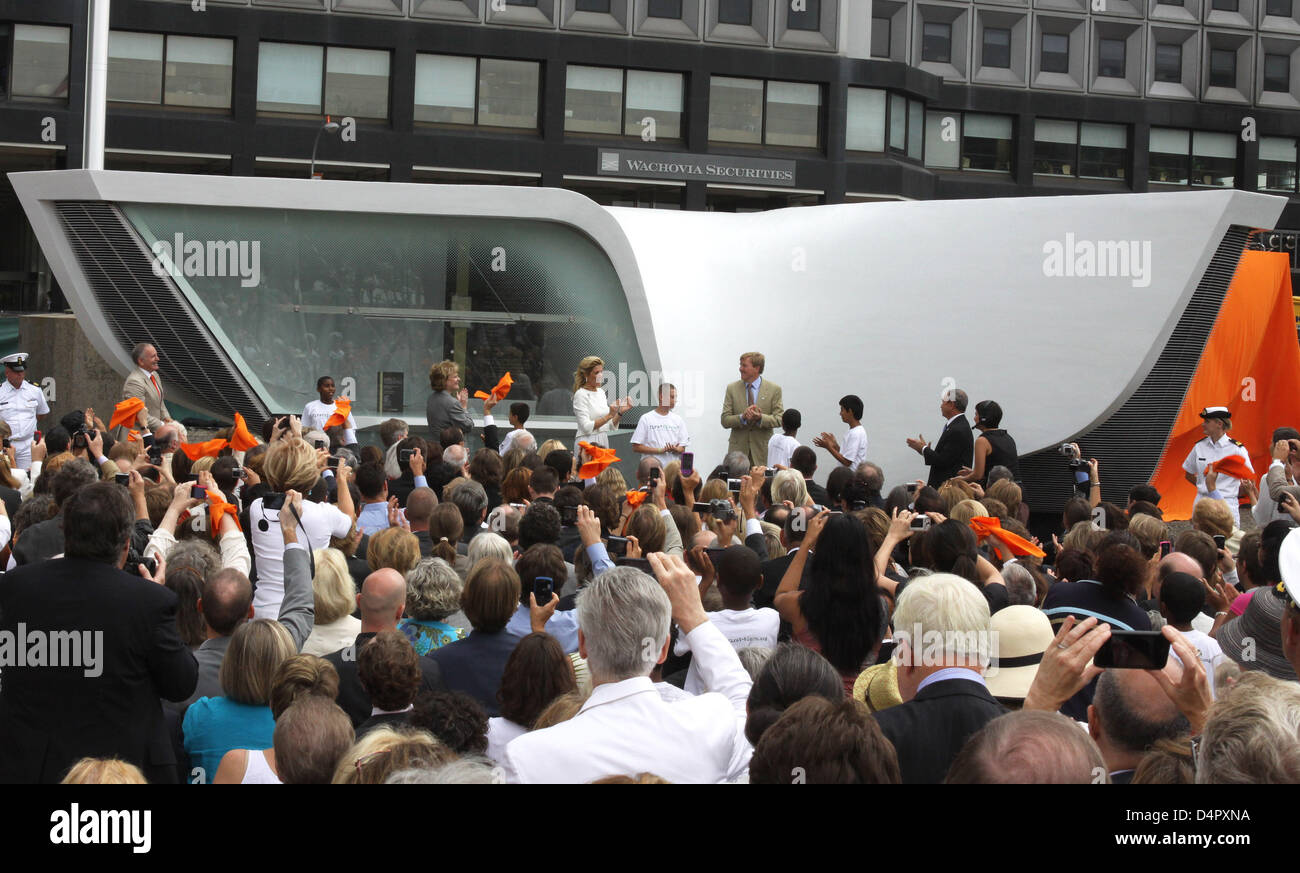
[60, 351]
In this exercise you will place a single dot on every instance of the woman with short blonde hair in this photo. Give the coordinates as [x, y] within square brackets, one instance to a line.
[394, 548]
[335, 594]
[104, 771]
[384, 751]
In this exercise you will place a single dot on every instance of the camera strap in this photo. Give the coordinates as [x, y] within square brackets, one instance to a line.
[311, 559]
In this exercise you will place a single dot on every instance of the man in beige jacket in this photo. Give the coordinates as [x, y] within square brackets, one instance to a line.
[751, 408]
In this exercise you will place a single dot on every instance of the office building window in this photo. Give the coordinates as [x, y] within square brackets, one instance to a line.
[1224, 5]
[531, 3]
[986, 142]
[936, 42]
[1169, 157]
[507, 93]
[943, 140]
[445, 89]
[657, 97]
[356, 82]
[897, 122]
[486, 91]
[289, 78]
[1169, 62]
[1214, 159]
[1277, 73]
[735, 12]
[1056, 147]
[1280, 8]
[865, 123]
[807, 18]
[1055, 56]
[199, 72]
[997, 47]
[915, 129]
[1223, 68]
[40, 62]
[793, 114]
[135, 67]
[880, 37]
[1103, 150]
[593, 100]
[736, 110]
[664, 9]
[1111, 57]
[591, 6]
[756, 112]
[1277, 164]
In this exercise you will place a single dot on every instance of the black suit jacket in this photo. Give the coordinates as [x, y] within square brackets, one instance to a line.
[353, 698]
[50, 717]
[929, 730]
[817, 492]
[954, 450]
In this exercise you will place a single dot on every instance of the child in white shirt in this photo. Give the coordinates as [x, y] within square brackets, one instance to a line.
[518, 418]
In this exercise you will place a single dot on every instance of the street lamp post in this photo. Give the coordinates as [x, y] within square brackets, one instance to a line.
[332, 127]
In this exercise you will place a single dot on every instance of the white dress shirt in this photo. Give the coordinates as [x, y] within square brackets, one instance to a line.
[626, 728]
[1205, 453]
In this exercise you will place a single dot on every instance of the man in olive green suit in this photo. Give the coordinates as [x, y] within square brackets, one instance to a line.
[751, 409]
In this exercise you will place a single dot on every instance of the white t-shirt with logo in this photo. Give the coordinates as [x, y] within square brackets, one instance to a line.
[655, 431]
[743, 628]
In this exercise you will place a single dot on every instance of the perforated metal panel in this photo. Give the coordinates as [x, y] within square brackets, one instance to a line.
[1129, 443]
[141, 306]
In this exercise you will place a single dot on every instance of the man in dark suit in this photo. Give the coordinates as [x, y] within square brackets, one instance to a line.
[956, 446]
[382, 601]
[119, 632]
[942, 626]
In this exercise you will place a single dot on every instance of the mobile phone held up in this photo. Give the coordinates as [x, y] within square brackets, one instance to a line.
[1133, 650]
[543, 588]
[688, 463]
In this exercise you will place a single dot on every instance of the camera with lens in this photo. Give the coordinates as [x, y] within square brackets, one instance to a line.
[81, 437]
[720, 509]
[1078, 466]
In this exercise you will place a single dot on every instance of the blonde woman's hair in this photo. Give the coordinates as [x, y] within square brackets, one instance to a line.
[204, 463]
[560, 710]
[384, 751]
[395, 548]
[334, 590]
[965, 510]
[585, 366]
[614, 479]
[954, 491]
[104, 771]
[441, 373]
[1213, 517]
[256, 651]
[549, 446]
[290, 465]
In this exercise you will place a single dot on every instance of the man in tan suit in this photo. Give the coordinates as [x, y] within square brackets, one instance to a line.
[751, 409]
[143, 382]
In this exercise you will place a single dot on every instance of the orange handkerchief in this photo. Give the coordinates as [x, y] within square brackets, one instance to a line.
[342, 409]
[126, 411]
[241, 440]
[499, 392]
[600, 458]
[1233, 465]
[986, 527]
[636, 498]
[209, 449]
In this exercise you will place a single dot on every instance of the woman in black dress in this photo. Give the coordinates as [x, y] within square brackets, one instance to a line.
[994, 447]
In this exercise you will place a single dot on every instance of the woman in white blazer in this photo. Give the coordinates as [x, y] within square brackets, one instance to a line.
[590, 406]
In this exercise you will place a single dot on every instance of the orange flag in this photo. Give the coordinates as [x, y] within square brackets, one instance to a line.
[499, 392]
[211, 448]
[636, 498]
[126, 411]
[133, 436]
[342, 409]
[1233, 465]
[986, 527]
[241, 440]
[217, 507]
[600, 458]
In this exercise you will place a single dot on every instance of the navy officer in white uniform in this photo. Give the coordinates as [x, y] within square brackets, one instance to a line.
[1217, 445]
[21, 403]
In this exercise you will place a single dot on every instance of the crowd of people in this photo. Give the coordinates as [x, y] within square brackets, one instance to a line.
[302, 608]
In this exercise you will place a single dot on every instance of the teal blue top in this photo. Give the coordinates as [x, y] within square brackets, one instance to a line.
[215, 725]
[426, 636]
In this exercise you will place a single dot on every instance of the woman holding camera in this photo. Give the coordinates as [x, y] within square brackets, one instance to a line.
[292, 464]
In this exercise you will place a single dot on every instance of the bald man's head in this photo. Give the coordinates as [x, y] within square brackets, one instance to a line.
[1174, 562]
[419, 508]
[1129, 713]
[382, 599]
[226, 600]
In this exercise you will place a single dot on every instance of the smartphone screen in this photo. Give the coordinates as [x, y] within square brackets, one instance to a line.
[1165, 548]
[543, 587]
[688, 463]
[198, 492]
[1133, 650]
